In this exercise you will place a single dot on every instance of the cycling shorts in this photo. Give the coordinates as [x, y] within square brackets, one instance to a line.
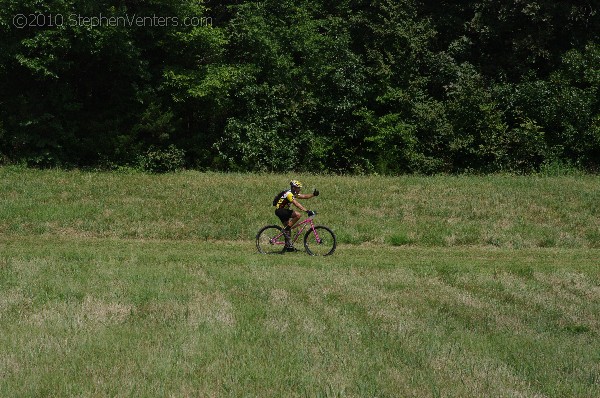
[284, 214]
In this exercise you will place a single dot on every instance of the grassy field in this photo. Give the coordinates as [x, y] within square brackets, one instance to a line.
[150, 286]
[497, 211]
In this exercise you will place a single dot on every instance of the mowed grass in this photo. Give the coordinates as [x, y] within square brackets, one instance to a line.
[150, 285]
[498, 211]
[113, 317]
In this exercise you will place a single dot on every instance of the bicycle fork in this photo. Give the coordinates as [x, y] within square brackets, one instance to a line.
[314, 230]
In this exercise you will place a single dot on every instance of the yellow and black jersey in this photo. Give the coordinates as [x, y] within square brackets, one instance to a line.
[285, 200]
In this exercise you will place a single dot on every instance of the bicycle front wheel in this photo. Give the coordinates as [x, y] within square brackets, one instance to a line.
[320, 241]
[270, 239]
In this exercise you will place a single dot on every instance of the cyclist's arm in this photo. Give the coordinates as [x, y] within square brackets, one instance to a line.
[298, 205]
[305, 195]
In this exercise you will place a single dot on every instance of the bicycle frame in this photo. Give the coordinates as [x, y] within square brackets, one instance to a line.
[309, 220]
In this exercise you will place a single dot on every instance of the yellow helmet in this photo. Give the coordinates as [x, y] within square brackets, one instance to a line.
[295, 184]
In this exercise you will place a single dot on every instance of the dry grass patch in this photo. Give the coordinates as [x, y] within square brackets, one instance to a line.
[211, 308]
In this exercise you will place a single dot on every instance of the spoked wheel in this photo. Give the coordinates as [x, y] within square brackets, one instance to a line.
[320, 242]
[270, 240]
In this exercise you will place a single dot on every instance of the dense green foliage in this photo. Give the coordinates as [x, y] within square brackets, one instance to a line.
[343, 86]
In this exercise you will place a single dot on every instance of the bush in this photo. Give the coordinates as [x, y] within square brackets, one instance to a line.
[157, 160]
[526, 148]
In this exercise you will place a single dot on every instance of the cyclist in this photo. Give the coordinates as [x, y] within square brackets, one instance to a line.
[288, 216]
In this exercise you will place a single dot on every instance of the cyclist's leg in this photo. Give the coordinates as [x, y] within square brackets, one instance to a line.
[285, 215]
[287, 231]
[294, 219]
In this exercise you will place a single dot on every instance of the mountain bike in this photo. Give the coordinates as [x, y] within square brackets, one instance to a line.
[319, 240]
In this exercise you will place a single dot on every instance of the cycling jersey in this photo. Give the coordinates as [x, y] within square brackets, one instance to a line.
[285, 201]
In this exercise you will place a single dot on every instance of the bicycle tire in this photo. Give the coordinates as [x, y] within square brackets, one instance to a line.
[264, 237]
[326, 244]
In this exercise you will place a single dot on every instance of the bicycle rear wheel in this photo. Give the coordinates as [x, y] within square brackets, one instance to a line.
[270, 240]
[320, 242]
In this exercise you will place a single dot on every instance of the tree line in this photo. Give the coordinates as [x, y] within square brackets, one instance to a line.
[343, 86]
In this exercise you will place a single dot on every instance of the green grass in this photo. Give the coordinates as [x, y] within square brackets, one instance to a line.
[150, 286]
[500, 211]
[108, 317]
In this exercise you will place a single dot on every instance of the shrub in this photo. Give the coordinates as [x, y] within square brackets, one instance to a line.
[157, 160]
